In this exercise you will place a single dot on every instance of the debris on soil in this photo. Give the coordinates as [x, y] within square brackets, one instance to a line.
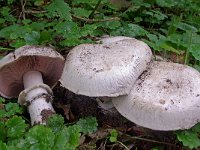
[67, 111]
[80, 106]
[73, 107]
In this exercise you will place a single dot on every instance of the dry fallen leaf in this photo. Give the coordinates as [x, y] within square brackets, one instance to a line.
[67, 112]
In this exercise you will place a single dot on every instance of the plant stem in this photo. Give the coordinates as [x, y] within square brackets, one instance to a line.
[5, 49]
[91, 16]
[23, 4]
[76, 17]
[148, 140]
[188, 50]
[123, 145]
[96, 20]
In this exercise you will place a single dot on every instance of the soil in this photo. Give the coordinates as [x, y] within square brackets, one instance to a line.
[73, 107]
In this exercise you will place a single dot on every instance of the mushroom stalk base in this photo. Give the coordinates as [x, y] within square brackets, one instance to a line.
[37, 97]
[105, 103]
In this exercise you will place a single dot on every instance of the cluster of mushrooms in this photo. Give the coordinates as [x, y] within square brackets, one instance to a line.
[119, 71]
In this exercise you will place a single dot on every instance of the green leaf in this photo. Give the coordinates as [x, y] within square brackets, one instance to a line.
[38, 2]
[18, 144]
[10, 1]
[138, 19]
[133, 8]
[88, 125]
[89, 2]
[140, 3]
[5, 12]
[152, 37]
[168, 47]
[88, 30]
[176, 39]
[20, 32]
[2, 20]
[12, 109]
[7, 31]
[190, 137]
[40, 137]
[15, 127]
[2, 100]
[195, 51]
[158, 15]
[73, 133]
[113, 136]
[110, 24]
[26, 21]
[70, 42]
[3, 146]
[166, 3]
[60, 140]
[45, 37]
[153, 45]
[191, 38]
[56, 123]
[3, 133]
[81, 12]
[3, 113]
[131, 30]
[18, 43]
[32, 38]
[68, 29]
[58, 8]
[186, 27]
[87, 40]
[68, 138]
[38, 26]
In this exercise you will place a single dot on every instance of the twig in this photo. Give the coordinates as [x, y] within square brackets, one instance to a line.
[188, 50]
[125, 147]
[23, 4]
[76, 17]
[35, 11]
[96, 20]
[91, 16]
[149, 140]
[5, 49]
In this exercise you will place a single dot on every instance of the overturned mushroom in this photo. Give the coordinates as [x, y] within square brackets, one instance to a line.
[105, 70]
[165, 97]
[22, 73]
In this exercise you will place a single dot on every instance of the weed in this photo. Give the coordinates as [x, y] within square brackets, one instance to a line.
[17, 134]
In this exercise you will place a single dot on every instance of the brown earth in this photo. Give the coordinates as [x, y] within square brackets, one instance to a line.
[73, 107]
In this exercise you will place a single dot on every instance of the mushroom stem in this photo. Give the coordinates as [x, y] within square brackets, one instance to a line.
[105, 103]
[37, 98]
[32, 78]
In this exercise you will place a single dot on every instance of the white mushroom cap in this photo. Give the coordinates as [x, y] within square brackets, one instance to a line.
[165, 97]
[16, 64]
[105, 69]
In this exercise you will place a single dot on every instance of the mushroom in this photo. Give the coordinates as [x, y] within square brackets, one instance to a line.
[105, 70]
[165, 97]
[22, 73]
